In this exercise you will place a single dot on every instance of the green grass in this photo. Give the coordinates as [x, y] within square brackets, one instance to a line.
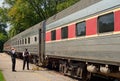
[1, 76]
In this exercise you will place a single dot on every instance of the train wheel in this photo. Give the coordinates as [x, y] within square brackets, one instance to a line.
[116, 80]
[83, 73]
[79, 72]
[86, 76]
[60, 67]
[65, 69]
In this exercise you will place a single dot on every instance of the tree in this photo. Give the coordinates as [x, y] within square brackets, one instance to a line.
[3, 35]
[3, 25]
[47, 8]
[65, 3]
[3, 39]
[23, 14]
[21, 17]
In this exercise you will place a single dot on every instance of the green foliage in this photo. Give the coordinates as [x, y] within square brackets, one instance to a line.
[3, 33]
[10, 2]
[1, 76]
[12, 32]
[21, 17]
[47, 8]
[23, 14]
[66, 4]
[3, 38]
[3, 15]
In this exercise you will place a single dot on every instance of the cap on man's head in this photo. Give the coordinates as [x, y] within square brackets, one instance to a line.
[13, 48]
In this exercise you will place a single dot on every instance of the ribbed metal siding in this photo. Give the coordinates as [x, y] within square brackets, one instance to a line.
[101, 48]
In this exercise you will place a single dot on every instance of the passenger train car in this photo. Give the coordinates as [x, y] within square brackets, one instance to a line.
[80, 41]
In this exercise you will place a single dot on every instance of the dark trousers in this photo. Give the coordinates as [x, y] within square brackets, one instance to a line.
[13, 64]
[26, 60]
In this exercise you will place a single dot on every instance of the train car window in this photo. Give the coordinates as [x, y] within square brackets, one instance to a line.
[28, 40]
[53, 35]
[106, 23]
[18, 42]
[81, 29]
[25, 41]
[35, 39]
[64, 32]
[15, 42]
[22, 41]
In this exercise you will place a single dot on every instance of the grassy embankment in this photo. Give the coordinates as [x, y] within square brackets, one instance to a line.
[1, 76]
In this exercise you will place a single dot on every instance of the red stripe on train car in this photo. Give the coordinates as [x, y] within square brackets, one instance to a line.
[91, 26]
[48, 36]
[117, 21]
[58, 34]
[71, 31]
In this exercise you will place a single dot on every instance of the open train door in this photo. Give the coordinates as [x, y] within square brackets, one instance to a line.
[42, 44]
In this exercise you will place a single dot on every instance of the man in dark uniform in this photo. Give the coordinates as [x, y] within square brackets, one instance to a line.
[13, 58]
[26, 59]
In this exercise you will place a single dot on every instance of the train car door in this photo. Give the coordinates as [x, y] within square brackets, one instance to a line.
[42, 43]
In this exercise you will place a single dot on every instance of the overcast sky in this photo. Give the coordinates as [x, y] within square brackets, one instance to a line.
[1, 3]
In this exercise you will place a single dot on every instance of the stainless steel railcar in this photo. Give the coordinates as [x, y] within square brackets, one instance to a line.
[81, 40]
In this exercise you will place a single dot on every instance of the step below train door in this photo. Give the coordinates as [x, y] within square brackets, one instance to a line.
[42, 44]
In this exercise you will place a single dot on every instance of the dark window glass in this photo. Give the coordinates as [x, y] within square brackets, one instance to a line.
[25, 41]
[35, 39]
[53, 35]
[22, 41]
[64, 32]
[18, 42]
[106, 23]
[81, 29]
[28, 40]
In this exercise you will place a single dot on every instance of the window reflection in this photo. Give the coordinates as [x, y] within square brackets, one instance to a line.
[64, 32]
[53, 35]
[106, 23]
[80, 29]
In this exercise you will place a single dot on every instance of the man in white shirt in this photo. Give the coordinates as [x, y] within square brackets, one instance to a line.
[26, 59]
[13, 58]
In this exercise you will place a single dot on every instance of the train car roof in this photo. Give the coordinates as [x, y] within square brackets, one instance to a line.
[95, 8]
[74, 8]
[35, 27]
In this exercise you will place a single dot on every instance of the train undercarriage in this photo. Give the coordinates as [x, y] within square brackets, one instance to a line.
[84, 70]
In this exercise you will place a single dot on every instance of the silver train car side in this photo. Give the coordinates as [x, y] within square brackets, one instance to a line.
[80, 41]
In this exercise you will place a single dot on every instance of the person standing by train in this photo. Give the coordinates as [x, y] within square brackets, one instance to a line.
[26, 59]
[13, 58]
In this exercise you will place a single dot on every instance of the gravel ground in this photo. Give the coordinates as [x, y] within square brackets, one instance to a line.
[28, 75]
[32, 75]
